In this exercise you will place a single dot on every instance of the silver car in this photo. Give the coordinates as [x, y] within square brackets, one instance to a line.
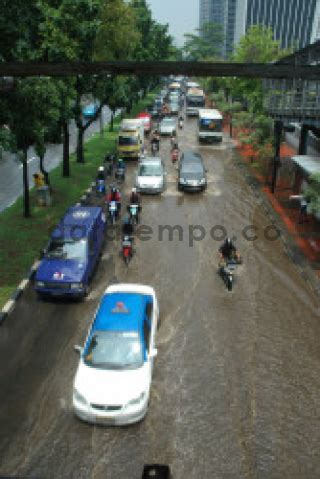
[151, 176]
[168, 126]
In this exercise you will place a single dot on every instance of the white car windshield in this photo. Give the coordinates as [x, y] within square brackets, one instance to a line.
[114, 350]
[168, 122]
[150, 170]
[75, 250]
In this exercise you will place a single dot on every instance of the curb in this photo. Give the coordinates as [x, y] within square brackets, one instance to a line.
[16, 295]
[10, 305]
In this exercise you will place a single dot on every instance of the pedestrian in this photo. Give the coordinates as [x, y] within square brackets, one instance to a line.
[303, 211]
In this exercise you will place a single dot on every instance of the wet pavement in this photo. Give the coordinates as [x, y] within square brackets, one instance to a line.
[235, 393]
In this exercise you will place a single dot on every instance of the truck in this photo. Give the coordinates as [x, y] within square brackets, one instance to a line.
[195, 99]
[209, 125]
[131, 139]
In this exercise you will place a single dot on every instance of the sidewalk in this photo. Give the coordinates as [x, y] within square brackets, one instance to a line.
[306, 236]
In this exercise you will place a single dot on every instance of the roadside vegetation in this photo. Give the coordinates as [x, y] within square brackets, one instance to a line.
[21, 240]
[38, 110]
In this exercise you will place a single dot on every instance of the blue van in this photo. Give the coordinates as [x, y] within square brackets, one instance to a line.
[72, 253]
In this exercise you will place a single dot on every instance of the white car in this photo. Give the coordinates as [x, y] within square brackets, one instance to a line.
[151, 176]
[168, 126]
[113, 379]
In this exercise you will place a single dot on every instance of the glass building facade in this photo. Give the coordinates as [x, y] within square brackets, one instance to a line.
[294, 22]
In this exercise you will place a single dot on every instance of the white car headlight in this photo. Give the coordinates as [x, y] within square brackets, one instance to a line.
[202, 181]
[76, 285]
[77, 397]
[137, 400]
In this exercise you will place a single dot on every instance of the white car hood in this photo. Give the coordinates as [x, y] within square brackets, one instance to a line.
[149, 180]
[108, 387]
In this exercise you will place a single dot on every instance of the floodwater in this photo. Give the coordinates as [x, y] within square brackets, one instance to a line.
[235, 392]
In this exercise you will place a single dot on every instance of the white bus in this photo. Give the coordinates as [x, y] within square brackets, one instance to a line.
[210, 125]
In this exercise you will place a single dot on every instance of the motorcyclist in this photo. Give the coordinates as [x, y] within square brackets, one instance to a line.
[120, 168]
[127, 228]
[155, 140]
[173, 141]
[100, 174]
[134, 198]
[115, 195]
[228, 250]
[175, 154]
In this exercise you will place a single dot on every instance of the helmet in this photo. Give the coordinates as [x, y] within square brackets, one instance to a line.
[101, 169]
[113, 189]
[228, 241]
[134, 190]
[126, 221]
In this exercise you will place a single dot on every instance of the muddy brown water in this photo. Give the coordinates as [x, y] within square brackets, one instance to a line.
[235, 391]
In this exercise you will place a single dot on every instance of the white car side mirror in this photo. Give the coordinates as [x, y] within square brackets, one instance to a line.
[78, 349]
[153, 353]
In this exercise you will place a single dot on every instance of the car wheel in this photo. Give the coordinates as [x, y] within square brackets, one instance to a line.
[86, 291]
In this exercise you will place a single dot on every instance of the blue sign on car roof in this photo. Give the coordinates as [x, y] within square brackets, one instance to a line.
[121, 312]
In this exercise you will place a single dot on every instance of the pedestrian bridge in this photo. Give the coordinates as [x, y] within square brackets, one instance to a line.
[295, 100]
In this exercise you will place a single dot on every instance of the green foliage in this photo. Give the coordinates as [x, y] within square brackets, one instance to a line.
[117, 35]
[257, 131]
[28, 121]
[206, 44]
[312, 193]
[257, 46]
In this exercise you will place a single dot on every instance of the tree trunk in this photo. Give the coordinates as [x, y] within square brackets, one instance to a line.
[26, 198]
[111, 121]
[80, 155]
[101, 123]
[66, 157]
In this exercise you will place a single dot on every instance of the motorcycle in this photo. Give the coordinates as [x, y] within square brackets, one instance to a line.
[100, 187]
[127, 250]
[112, 212]
[133, 211]
[180, 123]
[174, 155]
[227, 269]
[120, 173]
[154, 147]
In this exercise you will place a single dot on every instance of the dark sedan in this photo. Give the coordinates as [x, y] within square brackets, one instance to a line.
[192, 173]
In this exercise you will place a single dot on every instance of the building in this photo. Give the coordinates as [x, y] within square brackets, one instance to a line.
[295, 23]
[222, 12]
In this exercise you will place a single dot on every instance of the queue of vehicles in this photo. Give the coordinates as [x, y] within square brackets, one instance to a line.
[113, 379]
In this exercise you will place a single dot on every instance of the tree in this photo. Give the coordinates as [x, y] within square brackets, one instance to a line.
[29, 121]
[312, 192]
[206, 44]
[257, 46]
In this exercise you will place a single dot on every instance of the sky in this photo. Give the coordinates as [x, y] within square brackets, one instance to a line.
[181, 15]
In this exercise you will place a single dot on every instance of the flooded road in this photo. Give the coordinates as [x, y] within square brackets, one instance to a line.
[235, 392]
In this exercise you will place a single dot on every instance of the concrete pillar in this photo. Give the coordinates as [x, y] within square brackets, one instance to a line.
[303, 139]
[278, 126]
